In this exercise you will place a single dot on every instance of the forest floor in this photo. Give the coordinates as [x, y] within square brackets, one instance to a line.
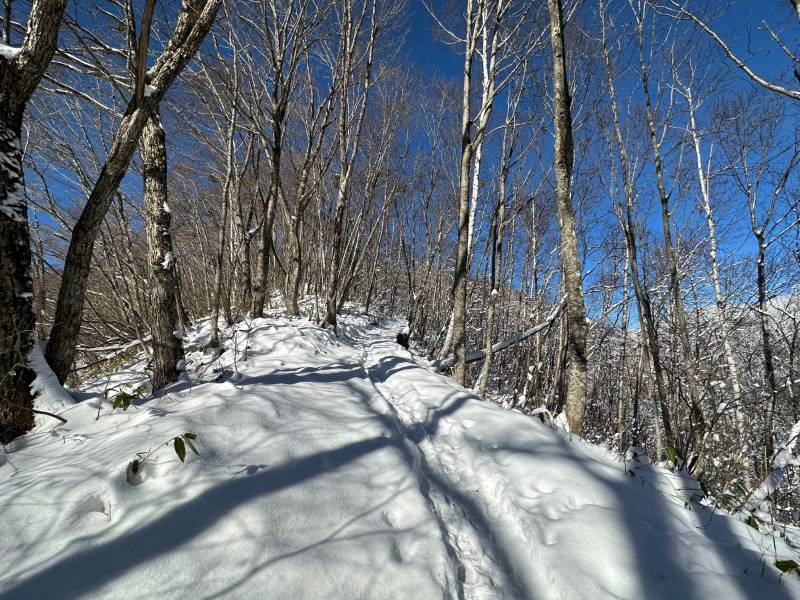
[342, 467]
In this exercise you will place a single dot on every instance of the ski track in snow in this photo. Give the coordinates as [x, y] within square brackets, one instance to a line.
[341, 468]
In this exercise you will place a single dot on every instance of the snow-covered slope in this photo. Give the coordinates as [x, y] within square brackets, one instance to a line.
[340, 468]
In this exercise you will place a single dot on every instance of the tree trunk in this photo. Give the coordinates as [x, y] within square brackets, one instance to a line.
[19, 77]
[724, 327]
[166, 326]
[698, 428]
[17, 323]
[294, 243]
[244, 270]
[183, 314]
[348, 144]
[622, 402]
[40, 290]
[769, 361]
[459, 289]
[261, 290]
[333, 267]
[625, 214]
[7, 22]
[570, 259]
[498, 233]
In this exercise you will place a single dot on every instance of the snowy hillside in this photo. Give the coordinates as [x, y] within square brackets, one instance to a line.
[343, 469]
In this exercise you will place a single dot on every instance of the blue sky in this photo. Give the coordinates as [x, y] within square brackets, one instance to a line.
[422, 45]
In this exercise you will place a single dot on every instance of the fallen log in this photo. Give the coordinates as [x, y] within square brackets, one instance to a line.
[442, 365]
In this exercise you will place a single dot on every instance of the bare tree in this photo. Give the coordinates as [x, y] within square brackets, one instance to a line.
[704, 177]
[286, 34]
[624, 211]
[166, 327]
[194, 21]
[350, 120]
[698, 430]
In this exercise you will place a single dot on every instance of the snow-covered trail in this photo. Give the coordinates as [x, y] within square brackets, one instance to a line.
[340, 468]
[530, 513]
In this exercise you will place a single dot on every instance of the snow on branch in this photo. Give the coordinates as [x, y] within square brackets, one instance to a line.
[780, 461]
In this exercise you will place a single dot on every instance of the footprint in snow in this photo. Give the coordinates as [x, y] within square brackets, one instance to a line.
[91, 511]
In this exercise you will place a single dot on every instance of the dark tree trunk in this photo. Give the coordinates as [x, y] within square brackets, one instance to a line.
[459, 289]
[166, 326]
[7, 22]
[769, 360]
[262, 286]
[218, 266]
[294, 242]
[183, 314]
[17, 323]
[19, 77]
[338, 234]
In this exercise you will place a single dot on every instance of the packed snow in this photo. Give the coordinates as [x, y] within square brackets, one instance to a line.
[344, 467]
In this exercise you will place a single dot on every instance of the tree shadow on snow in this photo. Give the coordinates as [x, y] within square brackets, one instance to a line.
[652, 525]
[659, 574]
[87, 570]
[335, 373]
[649, 521]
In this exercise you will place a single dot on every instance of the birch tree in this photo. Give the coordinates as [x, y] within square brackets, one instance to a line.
[563, 154]
[625, 211]
[352, 107]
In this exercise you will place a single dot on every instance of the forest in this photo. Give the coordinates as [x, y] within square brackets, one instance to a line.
[583, 210]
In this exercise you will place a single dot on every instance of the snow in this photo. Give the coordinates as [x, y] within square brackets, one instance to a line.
[9, 52]
[48, 393]
[343, 468]
[149, 90]
[14, 205]
[782, 459]
[168, 260]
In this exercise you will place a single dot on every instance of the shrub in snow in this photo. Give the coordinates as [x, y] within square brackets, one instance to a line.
[123, 399]
[179, 443]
